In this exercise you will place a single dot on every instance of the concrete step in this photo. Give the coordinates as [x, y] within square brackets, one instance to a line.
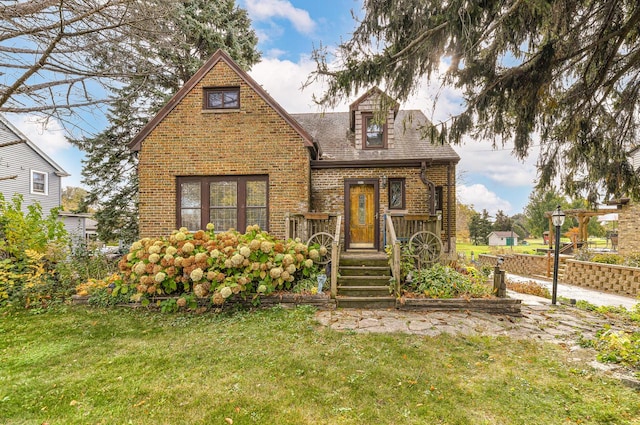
[364, 291]
[364, 280]
[365, 271]
[366, 302]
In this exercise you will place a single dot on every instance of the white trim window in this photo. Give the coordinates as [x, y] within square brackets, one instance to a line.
[39, 183]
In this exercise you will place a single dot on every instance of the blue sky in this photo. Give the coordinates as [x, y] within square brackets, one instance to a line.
[288, 30]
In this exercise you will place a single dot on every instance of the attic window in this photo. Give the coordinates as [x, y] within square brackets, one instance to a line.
[221, 98]
[374, 134]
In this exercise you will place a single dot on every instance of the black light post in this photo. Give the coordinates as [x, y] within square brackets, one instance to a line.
[558, 220]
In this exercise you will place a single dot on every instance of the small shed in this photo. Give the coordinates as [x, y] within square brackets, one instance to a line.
[503, 238]
[81, 227]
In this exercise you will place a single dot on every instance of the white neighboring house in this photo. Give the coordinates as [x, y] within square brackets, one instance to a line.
[80, 226]
[26, 170]
[506, 238]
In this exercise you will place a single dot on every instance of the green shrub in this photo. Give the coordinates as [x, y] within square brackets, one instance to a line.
[632, 260]
[83, 264]
[30, 247]
[445, 282]
[618, 347]
[608, 259]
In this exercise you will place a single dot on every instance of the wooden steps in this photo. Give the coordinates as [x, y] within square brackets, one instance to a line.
[363, 281]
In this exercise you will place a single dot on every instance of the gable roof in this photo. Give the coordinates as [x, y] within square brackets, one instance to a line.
[504, 234]
[374, 91]
[331, 131]
[384, 101]
[218, 56]
[10, 135]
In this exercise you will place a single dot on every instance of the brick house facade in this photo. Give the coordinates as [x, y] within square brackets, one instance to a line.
[222, 150]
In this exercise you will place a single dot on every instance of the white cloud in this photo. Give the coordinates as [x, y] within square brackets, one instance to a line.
[264, 10]
[482, 198]
[50, 137]
[283, 80]
[274, 53]
[499, 165]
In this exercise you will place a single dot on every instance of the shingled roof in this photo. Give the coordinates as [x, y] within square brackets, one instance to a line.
[331, 132]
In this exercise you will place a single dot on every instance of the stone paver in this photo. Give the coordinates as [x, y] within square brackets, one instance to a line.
[557, 324]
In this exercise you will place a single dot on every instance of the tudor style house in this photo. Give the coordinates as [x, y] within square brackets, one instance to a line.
[223, 151]
[26, 170]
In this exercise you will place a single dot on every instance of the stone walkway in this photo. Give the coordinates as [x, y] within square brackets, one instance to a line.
[556, 324]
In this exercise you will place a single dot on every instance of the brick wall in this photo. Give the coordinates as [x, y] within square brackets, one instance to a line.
[255, 140]
[327, 190]
[629, 229]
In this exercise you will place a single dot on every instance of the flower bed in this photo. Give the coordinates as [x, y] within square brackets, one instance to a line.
[284, 299]
[205, 264]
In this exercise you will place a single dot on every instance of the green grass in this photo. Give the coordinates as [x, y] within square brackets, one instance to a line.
[467, 248]
[530, 248]
[82, 365]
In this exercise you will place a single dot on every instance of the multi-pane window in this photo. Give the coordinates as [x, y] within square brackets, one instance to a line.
[256, 202]
[39, 182]
[226, 202]
[223, 204]
[222, 98]
[374, 137]
[396, 194]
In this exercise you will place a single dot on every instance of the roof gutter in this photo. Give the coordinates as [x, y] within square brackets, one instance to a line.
[382, 163]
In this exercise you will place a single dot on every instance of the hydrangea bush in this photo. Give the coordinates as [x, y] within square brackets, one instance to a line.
[215, 265]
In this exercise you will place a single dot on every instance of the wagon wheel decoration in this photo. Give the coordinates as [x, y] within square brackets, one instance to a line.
[322, 239]
[426, 248]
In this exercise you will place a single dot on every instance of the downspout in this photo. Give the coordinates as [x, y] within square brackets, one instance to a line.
[431, 188]
[449, 208]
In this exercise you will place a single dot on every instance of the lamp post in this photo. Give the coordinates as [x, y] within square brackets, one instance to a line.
[558, 220]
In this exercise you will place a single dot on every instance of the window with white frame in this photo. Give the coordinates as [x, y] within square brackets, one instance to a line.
[39, 182]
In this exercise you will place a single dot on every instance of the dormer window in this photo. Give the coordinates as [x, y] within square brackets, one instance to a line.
[374, 135]
[222, 98]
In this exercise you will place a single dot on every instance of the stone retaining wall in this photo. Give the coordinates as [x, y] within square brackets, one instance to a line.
[522, 264]
[612, 278]
[609, 278]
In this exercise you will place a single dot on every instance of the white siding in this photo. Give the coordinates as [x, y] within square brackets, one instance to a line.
[18, 160]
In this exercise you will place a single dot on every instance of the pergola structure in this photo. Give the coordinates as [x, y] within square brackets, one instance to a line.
[583, 215]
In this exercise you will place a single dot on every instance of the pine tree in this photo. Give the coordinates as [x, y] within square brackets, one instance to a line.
[502, 222]
[566, 70]
[167, 59]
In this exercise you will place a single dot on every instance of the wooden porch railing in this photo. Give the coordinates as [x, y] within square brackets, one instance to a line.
[406, 225]
[335, 257]
[304, 226]
[396, 251]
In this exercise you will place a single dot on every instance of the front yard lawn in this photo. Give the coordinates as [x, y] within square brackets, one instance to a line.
[79, 365]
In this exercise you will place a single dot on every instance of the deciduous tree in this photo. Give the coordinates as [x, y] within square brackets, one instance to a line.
[541, 202]
[50, 49]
